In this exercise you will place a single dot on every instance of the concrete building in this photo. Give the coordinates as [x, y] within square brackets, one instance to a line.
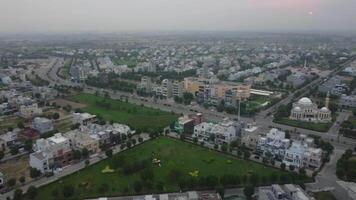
[51, 153]
[334, 86]
[4, 79]
[222, 133]
[282, 192]
[177, 89]
[146, 84]
[83, 118]
[302, 154]
[218, 88]
[347, 101]
[306, 110]
[273, 144]
[30, 111]
[166, 86]
[79, 140]
[42, 125]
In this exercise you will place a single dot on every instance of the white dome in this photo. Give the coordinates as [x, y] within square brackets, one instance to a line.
[324, 109]
[297, 109]
[305, 101]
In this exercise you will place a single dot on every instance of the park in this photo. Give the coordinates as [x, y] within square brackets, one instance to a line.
[161, 165]
[136, 116]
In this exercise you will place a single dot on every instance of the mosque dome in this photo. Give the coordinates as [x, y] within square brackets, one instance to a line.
[305, 101]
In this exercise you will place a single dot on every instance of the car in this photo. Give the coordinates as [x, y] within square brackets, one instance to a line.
[257, 157]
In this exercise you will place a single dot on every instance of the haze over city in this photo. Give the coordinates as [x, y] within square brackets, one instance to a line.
[27, 16]
[178, 99]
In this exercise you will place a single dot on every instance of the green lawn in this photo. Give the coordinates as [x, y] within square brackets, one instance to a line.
[320, 127]
[64, 72]
[129, 61]
[324, 196]
[175, 156]
[137, 117]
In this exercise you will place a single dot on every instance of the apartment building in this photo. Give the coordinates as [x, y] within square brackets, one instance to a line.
[42, 125]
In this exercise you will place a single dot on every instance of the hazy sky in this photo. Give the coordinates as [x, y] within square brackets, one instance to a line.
[161, 15]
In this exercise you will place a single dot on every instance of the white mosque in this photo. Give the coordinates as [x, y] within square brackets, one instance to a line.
[306, 110]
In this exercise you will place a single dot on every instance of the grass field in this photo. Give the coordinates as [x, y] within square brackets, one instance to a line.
[131, 62]
[137, 117]
[320, 127]
[324, 196]
[174, 155]
[64, 71]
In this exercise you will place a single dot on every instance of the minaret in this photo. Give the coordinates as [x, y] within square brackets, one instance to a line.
[327, 100]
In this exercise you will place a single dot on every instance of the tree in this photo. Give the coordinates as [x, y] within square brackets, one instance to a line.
[133, 140]
[22, 179]
[283, 166]
[2, 154]
[108, 153]
[249, 191]
[302, 171]
[11, 182]
[291, 167]
[216, 146]
[28, 145]
[137, 186]
[128, 144]
[87, 162]
[220, 190]
[77, 154]
[224, 148]
[247, 155]
[85, 153]
[18, 194]
[68, 191]
[55, 116]
[140, 139]
[34, 173]
[14, 150]
[20, 125]
[195, 140]
[32, 192]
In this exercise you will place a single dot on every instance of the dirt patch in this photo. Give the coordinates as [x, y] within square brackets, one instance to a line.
[15, 168]
[65, 102]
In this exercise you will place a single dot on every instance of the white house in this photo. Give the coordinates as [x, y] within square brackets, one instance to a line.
[42, 124]
[302, 154]
[83, 118]
[273, 143]
[223, 133]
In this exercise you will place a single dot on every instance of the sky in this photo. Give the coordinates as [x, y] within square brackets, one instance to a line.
[176, 15]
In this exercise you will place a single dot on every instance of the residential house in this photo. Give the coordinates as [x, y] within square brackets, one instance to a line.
[282, 192]
[30, 111]
[42, 125]
[83, 118]
[51, 153]
[273, 145]
[222, 133]
[80, 140]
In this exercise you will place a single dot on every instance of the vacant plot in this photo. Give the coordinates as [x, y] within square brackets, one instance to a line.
[9, 122]
[16, 168]
[163, 165]
[137, 117]
[65, 102]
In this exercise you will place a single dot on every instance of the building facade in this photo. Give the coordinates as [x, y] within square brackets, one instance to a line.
[306, 110]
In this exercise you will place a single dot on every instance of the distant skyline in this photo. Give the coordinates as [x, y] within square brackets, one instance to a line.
[66, 16]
